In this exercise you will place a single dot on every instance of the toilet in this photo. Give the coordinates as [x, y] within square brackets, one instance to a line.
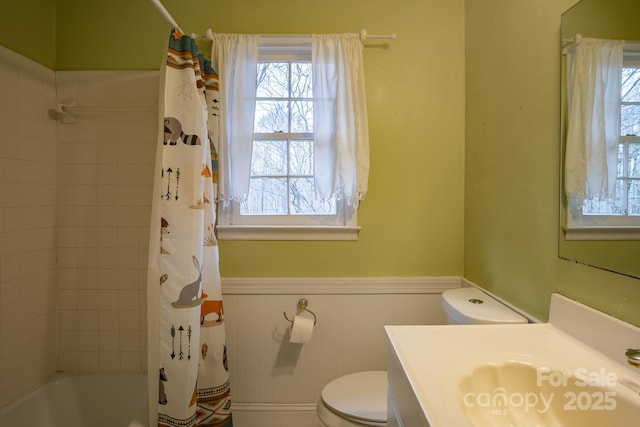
[360, 399]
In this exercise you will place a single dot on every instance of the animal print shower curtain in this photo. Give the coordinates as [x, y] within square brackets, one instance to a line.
[188, 372]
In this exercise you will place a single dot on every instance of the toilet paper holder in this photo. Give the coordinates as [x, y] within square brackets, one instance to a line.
[302, 306]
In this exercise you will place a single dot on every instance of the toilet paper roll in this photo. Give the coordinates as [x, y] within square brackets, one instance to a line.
[301, 330]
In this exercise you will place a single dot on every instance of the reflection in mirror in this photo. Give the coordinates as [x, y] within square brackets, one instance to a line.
[608, 20]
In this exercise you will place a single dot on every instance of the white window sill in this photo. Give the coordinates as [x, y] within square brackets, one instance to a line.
[601, 233]
[247, 232]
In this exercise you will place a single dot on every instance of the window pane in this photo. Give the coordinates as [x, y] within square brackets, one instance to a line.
[267, 196]
[302, 116]
[634, 160]
[634, 197]
[620, 162]
[271, 116]
[630, 120]
[606, 207]
[273, 80]
[282, 168]
[301, 80]
[630, 84]
[303, 199]
[269, 158]
[301, 158]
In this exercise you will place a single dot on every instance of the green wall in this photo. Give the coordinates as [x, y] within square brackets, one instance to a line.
[492, 217]
[512, 163]
[28, 28]
[413, 217]
[604, 19]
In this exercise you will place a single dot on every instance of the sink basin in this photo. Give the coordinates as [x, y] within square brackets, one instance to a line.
[522, 394]
[571, 372]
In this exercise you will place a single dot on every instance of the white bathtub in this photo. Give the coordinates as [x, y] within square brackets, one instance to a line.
[82, 400]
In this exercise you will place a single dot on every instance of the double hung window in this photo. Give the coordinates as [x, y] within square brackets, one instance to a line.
[282, 183]
[282, 201]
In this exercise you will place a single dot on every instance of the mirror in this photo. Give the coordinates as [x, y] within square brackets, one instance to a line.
[605, 19]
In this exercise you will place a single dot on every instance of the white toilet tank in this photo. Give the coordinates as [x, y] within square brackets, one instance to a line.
[469, 306]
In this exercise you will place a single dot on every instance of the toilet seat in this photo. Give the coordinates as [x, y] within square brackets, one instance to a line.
[360, 398]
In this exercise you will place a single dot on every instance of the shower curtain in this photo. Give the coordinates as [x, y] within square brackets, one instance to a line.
[187, 357]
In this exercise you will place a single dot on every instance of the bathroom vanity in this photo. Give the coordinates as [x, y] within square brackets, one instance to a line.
[567, 372]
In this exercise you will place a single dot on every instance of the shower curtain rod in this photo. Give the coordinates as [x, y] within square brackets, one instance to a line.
[363, 33]
[166, 15]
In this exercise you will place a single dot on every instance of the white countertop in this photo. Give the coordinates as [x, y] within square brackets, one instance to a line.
[435, 358]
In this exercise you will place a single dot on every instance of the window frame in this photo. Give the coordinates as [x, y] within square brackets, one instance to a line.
[233, 226]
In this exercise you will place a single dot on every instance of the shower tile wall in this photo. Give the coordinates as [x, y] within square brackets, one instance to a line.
[27, 225]
[104, 185]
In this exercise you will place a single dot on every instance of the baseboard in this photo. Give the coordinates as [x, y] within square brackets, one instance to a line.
[337, 285]
[275, 415]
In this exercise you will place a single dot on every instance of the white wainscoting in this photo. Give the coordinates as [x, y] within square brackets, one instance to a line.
[277, 382]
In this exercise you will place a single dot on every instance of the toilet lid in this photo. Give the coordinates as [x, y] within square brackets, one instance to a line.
[362, 395]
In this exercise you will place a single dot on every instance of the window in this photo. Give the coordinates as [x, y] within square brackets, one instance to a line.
[282, 202]
[282, 162]
[618, 217]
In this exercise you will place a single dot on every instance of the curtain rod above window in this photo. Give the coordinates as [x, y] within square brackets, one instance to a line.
[363, 35]
[167, 16]
[629, 45]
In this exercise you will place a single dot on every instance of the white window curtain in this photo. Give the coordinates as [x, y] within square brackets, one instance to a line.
[341, 136]
[235, 58]
[341, 143]
[594, 70]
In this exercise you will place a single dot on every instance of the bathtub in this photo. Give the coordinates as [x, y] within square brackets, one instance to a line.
[82, 400]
